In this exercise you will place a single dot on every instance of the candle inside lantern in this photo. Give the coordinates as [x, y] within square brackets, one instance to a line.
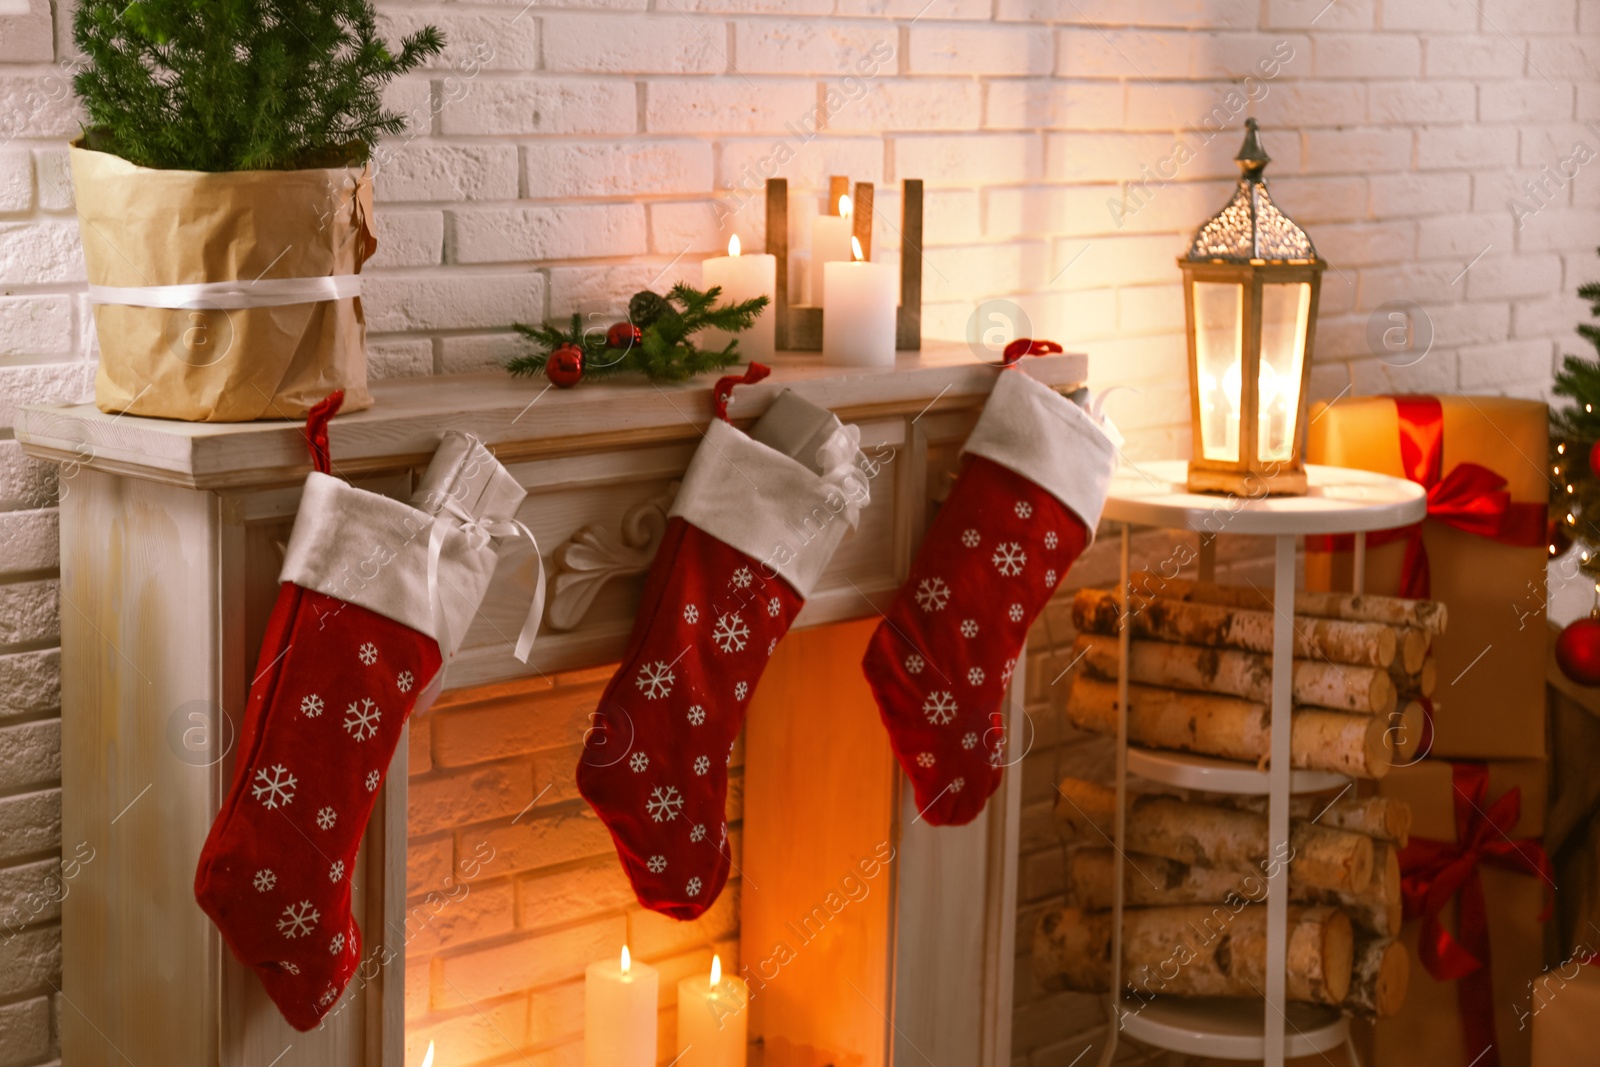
[711, 1019]
[830, 243]
[743, 278]
[858, 319]
[619, 1013]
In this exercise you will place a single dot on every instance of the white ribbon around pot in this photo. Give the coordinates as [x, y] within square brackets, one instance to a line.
[479, 531]
[227, 296]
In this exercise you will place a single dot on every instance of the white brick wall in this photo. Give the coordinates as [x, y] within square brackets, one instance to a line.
[565, 153]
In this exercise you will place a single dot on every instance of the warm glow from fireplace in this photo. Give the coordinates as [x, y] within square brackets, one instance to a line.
[627, 960]
[716, 971]
[427, 1058]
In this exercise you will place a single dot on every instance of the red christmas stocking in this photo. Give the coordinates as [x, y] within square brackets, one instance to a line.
[1035, 475]
[746, 539]
[353, 641]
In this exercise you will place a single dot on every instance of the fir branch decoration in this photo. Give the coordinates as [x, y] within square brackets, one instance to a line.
[664, 351]
[228, 85]
[1574, 437]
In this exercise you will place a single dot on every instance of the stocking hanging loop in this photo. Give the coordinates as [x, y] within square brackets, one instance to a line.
[1027, 346]
[724, 387]
[316, 431]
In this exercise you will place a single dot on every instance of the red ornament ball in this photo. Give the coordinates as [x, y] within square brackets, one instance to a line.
[1594, 458]
[564, 368]
[1578, 651]
[624, 335]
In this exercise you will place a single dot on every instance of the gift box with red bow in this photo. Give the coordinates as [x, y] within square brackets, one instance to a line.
[1477, 889]
[1481, 551]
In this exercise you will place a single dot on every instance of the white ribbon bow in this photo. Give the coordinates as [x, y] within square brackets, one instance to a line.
[837, 458]
[479, 532]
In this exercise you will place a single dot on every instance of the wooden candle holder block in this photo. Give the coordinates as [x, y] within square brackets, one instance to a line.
[799, 329]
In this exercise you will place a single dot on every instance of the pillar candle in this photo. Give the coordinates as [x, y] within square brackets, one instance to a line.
[711, 1019]
[858, 317]
[743, 278]
[619, 1013]
[830, 243]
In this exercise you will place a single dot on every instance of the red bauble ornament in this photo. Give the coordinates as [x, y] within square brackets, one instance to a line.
[1578, 651]
[623, 335]
[1594, 458]
[564, 368]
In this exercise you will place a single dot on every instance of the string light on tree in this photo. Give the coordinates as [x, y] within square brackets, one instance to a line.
[1575, 491]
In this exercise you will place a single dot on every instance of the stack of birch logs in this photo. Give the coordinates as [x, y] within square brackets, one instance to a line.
[1195, 891]
[1200, 672]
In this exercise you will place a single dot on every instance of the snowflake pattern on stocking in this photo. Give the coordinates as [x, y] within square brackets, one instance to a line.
[326, 817]
[664, 804]
[297, 920]
[1024, 510]
[975, 676]
[404, 682]
[361, 718]
[697, 715]
[925, 759]
[368, 653]
[1051, 540]
[741, 690]
[336, 945]
[336, 872]
[742, 578]
[774, 607]
[693, 888]
[265, 880]
[274, 786]
[373, 778]
[1015, 612]
[971, 538]
[656, 864]
[932, 594]
[655, 680]
[702, 764]
[914, 664]
[940, 707]
[969, 740]
[730, 633]
[969, 627]
[1009, 559]
[691, 614]
[311, 706]
[638, 763]
[698, 834]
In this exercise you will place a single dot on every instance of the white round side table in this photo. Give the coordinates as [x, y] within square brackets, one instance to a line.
[1339, 501]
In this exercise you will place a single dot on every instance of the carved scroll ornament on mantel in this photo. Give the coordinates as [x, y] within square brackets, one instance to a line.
[596, 554]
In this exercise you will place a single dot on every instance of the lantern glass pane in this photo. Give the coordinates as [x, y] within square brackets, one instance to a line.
[1285, 318]
[1219, 355]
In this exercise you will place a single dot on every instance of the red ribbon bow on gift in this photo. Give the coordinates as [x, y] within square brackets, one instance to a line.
[1471, 498]
[1027, 346]
[1433, 872]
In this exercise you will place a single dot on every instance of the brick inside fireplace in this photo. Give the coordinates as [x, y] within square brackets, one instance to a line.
[512, 883]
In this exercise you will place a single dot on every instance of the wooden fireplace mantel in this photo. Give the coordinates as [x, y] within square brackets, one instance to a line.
[170, 545]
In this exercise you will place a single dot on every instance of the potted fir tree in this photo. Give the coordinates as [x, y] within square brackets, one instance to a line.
[224, 200]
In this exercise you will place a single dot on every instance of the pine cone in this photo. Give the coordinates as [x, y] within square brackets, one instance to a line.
[646, 307]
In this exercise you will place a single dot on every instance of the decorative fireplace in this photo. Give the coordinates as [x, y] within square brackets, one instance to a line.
[485, 885]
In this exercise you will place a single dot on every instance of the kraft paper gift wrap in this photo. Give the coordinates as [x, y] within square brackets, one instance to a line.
[1431, 1029]
[145, 227]
[1490, 693]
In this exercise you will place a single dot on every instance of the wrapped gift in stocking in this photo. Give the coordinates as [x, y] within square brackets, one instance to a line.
[1034, 477]
[376, 595]
[757, 518]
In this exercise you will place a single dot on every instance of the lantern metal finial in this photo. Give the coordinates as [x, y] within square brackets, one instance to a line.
[1250, 228]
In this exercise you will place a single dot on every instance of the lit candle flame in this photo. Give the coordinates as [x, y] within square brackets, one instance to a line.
[733, 245]
[716, 971]
[627, 960]
[844, 206]
[855, 248]
[427, 1059]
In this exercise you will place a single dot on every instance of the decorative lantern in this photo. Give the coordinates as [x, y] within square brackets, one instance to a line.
[1250, 284]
